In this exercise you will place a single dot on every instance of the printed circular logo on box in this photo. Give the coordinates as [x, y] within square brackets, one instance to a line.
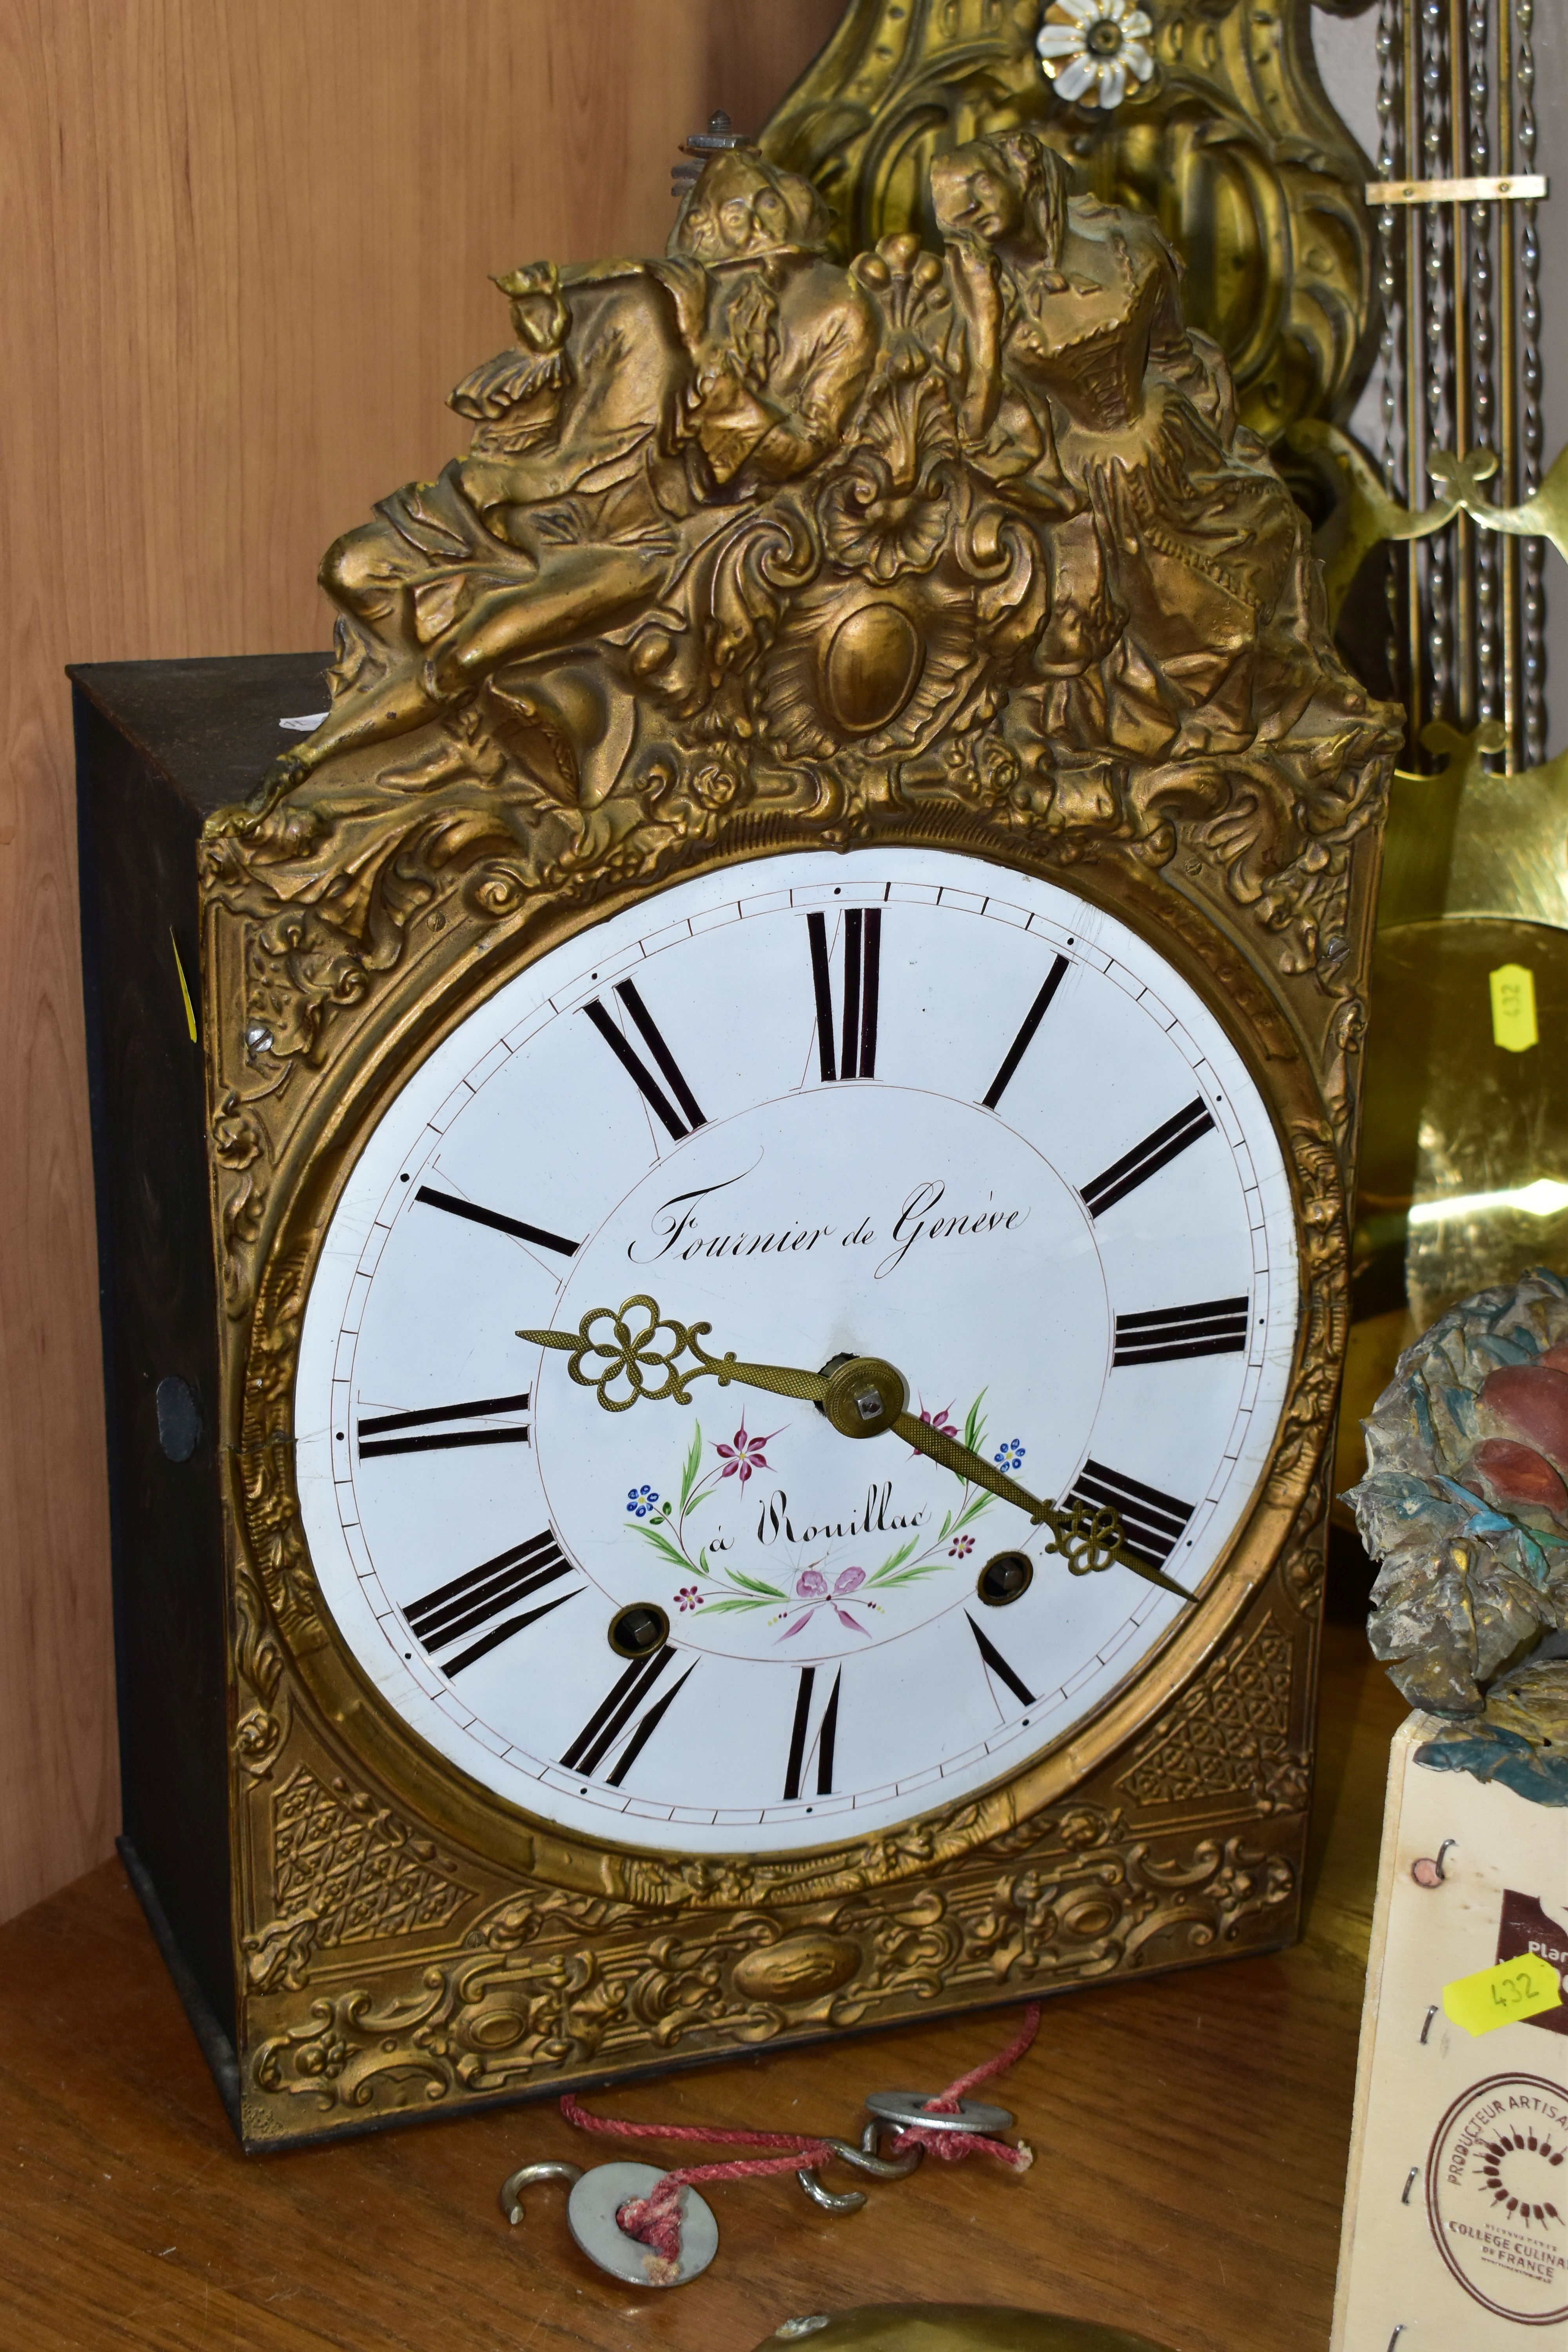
[1496, 2196]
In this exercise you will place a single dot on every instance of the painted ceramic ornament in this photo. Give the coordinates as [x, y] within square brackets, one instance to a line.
[1464, 1504]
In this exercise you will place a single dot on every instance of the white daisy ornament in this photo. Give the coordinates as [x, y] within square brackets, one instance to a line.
[1088, 48]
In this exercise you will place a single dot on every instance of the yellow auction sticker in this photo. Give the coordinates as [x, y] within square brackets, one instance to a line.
[1513, 1007]
[1496, 1996]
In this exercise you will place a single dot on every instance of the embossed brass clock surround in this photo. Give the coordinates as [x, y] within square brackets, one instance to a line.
[299, 1690]
[406, 1940]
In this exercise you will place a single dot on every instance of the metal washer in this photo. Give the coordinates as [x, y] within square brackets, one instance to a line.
[599, 2197]
[901, 2109]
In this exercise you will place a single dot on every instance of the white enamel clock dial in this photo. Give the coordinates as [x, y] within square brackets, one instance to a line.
[900, 1104]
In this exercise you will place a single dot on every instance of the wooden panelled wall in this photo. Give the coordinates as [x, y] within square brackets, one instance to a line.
[246, 251]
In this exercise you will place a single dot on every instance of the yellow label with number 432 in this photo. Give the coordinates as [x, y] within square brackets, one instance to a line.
[1498, 1995]
[1513, 1007]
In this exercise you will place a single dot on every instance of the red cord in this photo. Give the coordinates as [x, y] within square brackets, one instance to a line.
[654, 2221]
[1015, 2050]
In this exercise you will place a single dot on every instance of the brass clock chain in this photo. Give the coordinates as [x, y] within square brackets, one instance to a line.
[651, 2229]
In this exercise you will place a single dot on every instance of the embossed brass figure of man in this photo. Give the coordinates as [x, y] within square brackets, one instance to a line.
[642, 395]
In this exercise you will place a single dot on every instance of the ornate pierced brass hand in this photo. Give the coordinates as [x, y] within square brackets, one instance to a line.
[862, 1396]
[630, 1353]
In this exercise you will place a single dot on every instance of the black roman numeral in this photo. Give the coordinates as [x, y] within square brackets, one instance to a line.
[1152, 1522]
[998, 1664]
[1145, 1158]
[379, 1429]
[800, 1735]
[626, 1701]
[636, 1069]
[856, 1057]
[493, 1218]
[1215, 1326]
[456, 1610]
[1025, 1038]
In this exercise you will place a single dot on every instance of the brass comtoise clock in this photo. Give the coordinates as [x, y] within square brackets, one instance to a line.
[780, 1072]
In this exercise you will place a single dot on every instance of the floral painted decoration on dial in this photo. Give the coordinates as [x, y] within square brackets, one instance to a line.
[810, 1585]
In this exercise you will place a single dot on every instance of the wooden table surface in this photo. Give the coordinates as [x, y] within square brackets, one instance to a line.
[1191, 2134]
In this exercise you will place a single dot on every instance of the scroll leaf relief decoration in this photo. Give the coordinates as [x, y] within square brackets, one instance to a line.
[1113, 1907]
[265, 1708]
[238, 1144]
[1325, 1292]
[1229, 1736]
[1303, 1563]
[719, 1880]
[743, 536]
[549, 1986]
[345, 1871]
[263, 1469]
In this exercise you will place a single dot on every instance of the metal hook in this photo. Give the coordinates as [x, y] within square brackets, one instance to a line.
[511, 2188]
[594, 2207]
[865, 2159]
[1429, 1870]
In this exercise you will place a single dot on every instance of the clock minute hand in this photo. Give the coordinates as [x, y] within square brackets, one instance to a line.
[964, 1463]
[1086, 1538]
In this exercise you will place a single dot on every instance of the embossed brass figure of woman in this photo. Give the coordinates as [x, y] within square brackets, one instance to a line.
[1181, 587]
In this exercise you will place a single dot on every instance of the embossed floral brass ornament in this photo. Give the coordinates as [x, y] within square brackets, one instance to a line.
[1093, 51]
[790, 610]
